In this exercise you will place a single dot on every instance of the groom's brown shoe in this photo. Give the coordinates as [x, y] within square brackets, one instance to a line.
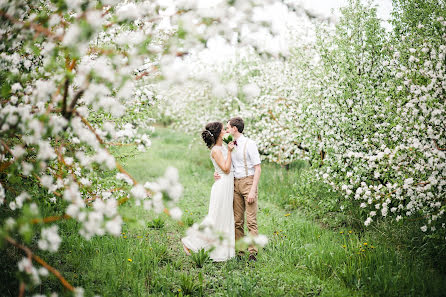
[252, 257]
[186, 250]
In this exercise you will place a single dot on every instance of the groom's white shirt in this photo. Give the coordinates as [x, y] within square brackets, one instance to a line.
[252, 157]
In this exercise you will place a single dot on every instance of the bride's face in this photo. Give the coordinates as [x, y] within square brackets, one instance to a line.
[222, 133]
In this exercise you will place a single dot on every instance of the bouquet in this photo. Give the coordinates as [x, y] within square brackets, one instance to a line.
[227, 138]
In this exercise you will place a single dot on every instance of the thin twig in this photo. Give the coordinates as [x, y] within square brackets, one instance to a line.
[119, 144]
[6, 147]
[50, 219]
[439, 148]
[84, 120]
[22, 289]
[5, 165]
[62, 161]
[38, 28]
[65, 95]
[145, 73]
[54, 192]
[67, 113]
[118, 166]
[75, 99]
[72, 64]
[102, 51]
[39, 260]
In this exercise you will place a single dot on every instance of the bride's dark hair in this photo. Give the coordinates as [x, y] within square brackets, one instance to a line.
[211, 132]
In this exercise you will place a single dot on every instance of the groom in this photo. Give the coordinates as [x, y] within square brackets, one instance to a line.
[246, 168]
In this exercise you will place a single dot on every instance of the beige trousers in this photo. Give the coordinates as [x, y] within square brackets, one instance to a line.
[241, 190]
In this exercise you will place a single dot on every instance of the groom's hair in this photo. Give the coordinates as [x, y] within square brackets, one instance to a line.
[237, 122]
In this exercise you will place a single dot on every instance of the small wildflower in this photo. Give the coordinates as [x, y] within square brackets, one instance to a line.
[344, 246]
[341, 232]
[350, 232]
[125, 236]
[130, 260]
[365, 243]
[288, 214]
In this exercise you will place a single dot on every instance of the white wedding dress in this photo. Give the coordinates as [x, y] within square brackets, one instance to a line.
[218, 226]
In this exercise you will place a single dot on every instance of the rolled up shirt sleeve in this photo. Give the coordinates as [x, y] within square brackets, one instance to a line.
[253, 153]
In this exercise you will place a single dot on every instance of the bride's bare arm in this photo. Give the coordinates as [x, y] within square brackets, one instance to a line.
[224, 164]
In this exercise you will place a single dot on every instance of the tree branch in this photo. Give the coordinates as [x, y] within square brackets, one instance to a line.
[65, 95]
[40, 29]
[22, 289]
[118, 166]
[68, 114]
[39, 260]
[5, 165]
[74, 101]
[55, 193]
[50, 219]
[439, 148]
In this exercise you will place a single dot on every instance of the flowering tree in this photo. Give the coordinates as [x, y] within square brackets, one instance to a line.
[384, 98]
[72, 84]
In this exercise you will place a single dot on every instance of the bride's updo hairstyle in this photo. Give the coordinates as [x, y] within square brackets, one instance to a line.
[211, 132]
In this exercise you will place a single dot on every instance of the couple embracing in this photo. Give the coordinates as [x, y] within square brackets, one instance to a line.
[234, 193]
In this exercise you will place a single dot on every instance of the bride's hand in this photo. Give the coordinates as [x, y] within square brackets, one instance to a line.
[231, 146]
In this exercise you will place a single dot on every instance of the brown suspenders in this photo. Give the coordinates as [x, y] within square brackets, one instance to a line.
[244, 157]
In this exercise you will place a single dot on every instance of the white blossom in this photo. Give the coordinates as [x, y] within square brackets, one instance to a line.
[176, 213]
[50, 239]
[72, 35]
[261, 240]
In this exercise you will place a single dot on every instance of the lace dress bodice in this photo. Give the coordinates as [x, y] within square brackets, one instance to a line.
[224, 151]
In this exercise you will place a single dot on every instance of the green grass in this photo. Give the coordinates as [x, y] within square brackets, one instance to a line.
[309, 254]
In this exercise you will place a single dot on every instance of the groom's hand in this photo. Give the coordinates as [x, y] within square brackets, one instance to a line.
[251, 197]
[216, 176]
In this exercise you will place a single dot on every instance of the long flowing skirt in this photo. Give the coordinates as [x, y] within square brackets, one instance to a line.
[217, 229]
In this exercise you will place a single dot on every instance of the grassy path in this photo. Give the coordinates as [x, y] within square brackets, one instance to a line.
[276, 272]
[302, 258]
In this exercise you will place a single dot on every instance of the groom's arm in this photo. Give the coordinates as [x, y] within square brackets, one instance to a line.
[254, 156]
[253, 192]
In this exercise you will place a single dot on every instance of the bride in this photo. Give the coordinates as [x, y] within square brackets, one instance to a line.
[220, 216]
